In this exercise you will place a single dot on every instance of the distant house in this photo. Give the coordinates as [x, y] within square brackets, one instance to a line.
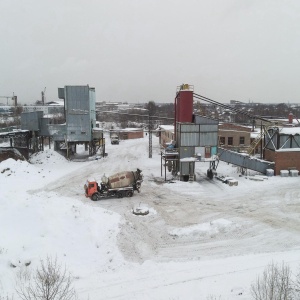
[165, 134]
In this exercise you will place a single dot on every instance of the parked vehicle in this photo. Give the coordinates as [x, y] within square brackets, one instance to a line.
[114, 139]
[119, 185]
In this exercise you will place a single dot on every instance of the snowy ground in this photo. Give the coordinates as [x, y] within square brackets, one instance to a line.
[199, 239]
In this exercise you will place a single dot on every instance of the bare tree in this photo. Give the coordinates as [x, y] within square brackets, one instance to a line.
[151, 106]
[275, 284]
[297, 285]
[50, 282]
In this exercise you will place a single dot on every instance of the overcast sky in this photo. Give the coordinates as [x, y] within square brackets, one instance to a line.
[141, 50]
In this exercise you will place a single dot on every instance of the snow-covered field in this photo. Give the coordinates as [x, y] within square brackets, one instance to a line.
[199, 239]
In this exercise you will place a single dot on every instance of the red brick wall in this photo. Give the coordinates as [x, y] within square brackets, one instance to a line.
[135, 134]
[124, 135]
[283, 160]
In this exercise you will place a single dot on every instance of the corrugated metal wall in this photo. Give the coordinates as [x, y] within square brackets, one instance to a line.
[244, 161]
[194, 138]
[31, 120]
[197, 135]
[44, 131]
[58, 131]
[186, 152]
[205, 120]
[92, 98]
[187, 168]
[78, 118]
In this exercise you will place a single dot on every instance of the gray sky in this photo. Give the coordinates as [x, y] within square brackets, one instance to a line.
[141, 50]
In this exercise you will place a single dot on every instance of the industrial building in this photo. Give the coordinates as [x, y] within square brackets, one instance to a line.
[194, 138]
[79, 128]
[234, 137]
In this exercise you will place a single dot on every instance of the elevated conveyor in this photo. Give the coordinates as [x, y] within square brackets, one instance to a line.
[245, 161]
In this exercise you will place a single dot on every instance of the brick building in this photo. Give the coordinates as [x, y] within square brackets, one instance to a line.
[131, 133]
[234, 137]
[282, 146]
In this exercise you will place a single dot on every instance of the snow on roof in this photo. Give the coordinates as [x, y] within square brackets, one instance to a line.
[14, 131]
[97, 129]
[295, 120]
[188, 159]
[167, 127]
[254, 134]
[290, 130]
[131, 129]
[288, 150]
[56, 102]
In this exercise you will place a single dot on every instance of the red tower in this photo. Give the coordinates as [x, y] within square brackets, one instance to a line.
[184, 106]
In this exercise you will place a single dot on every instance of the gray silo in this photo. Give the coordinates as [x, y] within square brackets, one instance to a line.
[80, 112]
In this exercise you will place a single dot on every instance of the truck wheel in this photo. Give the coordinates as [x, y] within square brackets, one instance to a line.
[129, 194]
[95, 197]
[120, 195]
[210, 174]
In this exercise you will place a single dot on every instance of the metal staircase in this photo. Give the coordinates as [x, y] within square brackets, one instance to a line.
[255, 142]
[260, 136]
[258, 139]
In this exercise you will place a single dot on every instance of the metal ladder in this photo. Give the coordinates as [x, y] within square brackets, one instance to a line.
[257, 140]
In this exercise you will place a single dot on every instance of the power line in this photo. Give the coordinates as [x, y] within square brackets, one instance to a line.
[136, 115]
[254, 117]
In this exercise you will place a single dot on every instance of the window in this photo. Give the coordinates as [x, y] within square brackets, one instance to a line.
[242, 140]
[230, 140]
[222, 140]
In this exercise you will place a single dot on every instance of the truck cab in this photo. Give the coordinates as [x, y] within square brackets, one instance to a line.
[114, 140]
[91, 188]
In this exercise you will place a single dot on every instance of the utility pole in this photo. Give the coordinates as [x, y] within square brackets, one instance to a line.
[150, 135]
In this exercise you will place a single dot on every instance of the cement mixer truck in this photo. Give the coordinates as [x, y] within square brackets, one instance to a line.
[119, 185]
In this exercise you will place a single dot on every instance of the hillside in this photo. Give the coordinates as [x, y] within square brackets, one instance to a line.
[199, 239]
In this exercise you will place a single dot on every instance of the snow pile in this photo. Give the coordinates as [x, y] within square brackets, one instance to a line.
[47, 156]
[198, 239]
[209, 228]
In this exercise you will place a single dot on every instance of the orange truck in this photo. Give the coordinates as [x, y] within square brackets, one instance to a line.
[119, 185]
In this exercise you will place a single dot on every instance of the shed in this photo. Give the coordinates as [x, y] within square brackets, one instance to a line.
[131, 133]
